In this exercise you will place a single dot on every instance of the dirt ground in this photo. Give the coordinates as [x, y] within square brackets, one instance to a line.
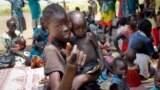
[27, 33]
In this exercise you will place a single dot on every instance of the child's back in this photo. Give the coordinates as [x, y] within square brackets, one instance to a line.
[133, 78]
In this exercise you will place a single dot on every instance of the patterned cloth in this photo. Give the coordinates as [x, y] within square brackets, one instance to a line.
[127, 8]
[8, 41]
[108, 11]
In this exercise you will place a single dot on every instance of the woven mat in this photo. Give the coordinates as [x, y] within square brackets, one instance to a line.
[21, 78]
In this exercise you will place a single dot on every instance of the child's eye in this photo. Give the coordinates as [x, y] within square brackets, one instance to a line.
[59, 26]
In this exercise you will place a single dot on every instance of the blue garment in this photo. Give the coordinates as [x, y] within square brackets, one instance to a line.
[17, 6]
[153, 88]
[119, 81]
[148, 47]
[44, 36]
[128, 7]
[35, 9]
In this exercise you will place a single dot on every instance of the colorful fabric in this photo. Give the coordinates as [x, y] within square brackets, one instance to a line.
[127, 8]
[21, 78]
[119, 81]
[17, 13]
[8, 41]
[43, 42]
[133, 78]
[108, 11]
[127, 33]
[16, 6]
[155, 35]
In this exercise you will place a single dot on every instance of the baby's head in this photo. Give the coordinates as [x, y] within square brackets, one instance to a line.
[102, 38]
[57, 22]
[11, 24]
[157, 79]
[120, 67]
[130, 55]
[78, 21]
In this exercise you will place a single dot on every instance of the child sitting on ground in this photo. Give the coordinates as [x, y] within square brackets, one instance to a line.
[39, 40]
[133, 78]
[14, 43]
[156, 81]
[86, 42]
[119, 78]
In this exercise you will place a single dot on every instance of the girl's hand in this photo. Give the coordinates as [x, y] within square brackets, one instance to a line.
[76, 58]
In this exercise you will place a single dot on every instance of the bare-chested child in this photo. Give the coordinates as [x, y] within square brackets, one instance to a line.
[86, 42]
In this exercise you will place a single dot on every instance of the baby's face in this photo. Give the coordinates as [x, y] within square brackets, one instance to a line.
[59, 28]
[79, 30]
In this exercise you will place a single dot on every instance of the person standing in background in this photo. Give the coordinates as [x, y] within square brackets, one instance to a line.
[17, 14]
[35, 12]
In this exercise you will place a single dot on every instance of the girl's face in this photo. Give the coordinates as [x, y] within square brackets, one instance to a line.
[79, 30]
[121, 69]
[59, 28]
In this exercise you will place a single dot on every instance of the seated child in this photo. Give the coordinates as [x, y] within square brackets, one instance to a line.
[119, 78]
[86, 42]
[133, 79]
[104, 45]
[13, 41]
[39, 40]
[156, 81]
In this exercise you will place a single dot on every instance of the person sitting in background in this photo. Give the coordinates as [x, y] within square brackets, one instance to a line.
[14, 42]
[40, 37]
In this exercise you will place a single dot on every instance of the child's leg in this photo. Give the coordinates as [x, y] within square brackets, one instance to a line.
[79, 80]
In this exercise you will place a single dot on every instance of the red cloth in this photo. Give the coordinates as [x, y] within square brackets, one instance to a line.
[133, 78]
[102, 23]
[124, 46]
[155, 35]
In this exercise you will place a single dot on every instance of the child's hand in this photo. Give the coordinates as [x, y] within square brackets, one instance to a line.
[76, 58]
[68, 49]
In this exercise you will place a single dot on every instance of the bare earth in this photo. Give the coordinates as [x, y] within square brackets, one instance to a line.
[27, 33]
